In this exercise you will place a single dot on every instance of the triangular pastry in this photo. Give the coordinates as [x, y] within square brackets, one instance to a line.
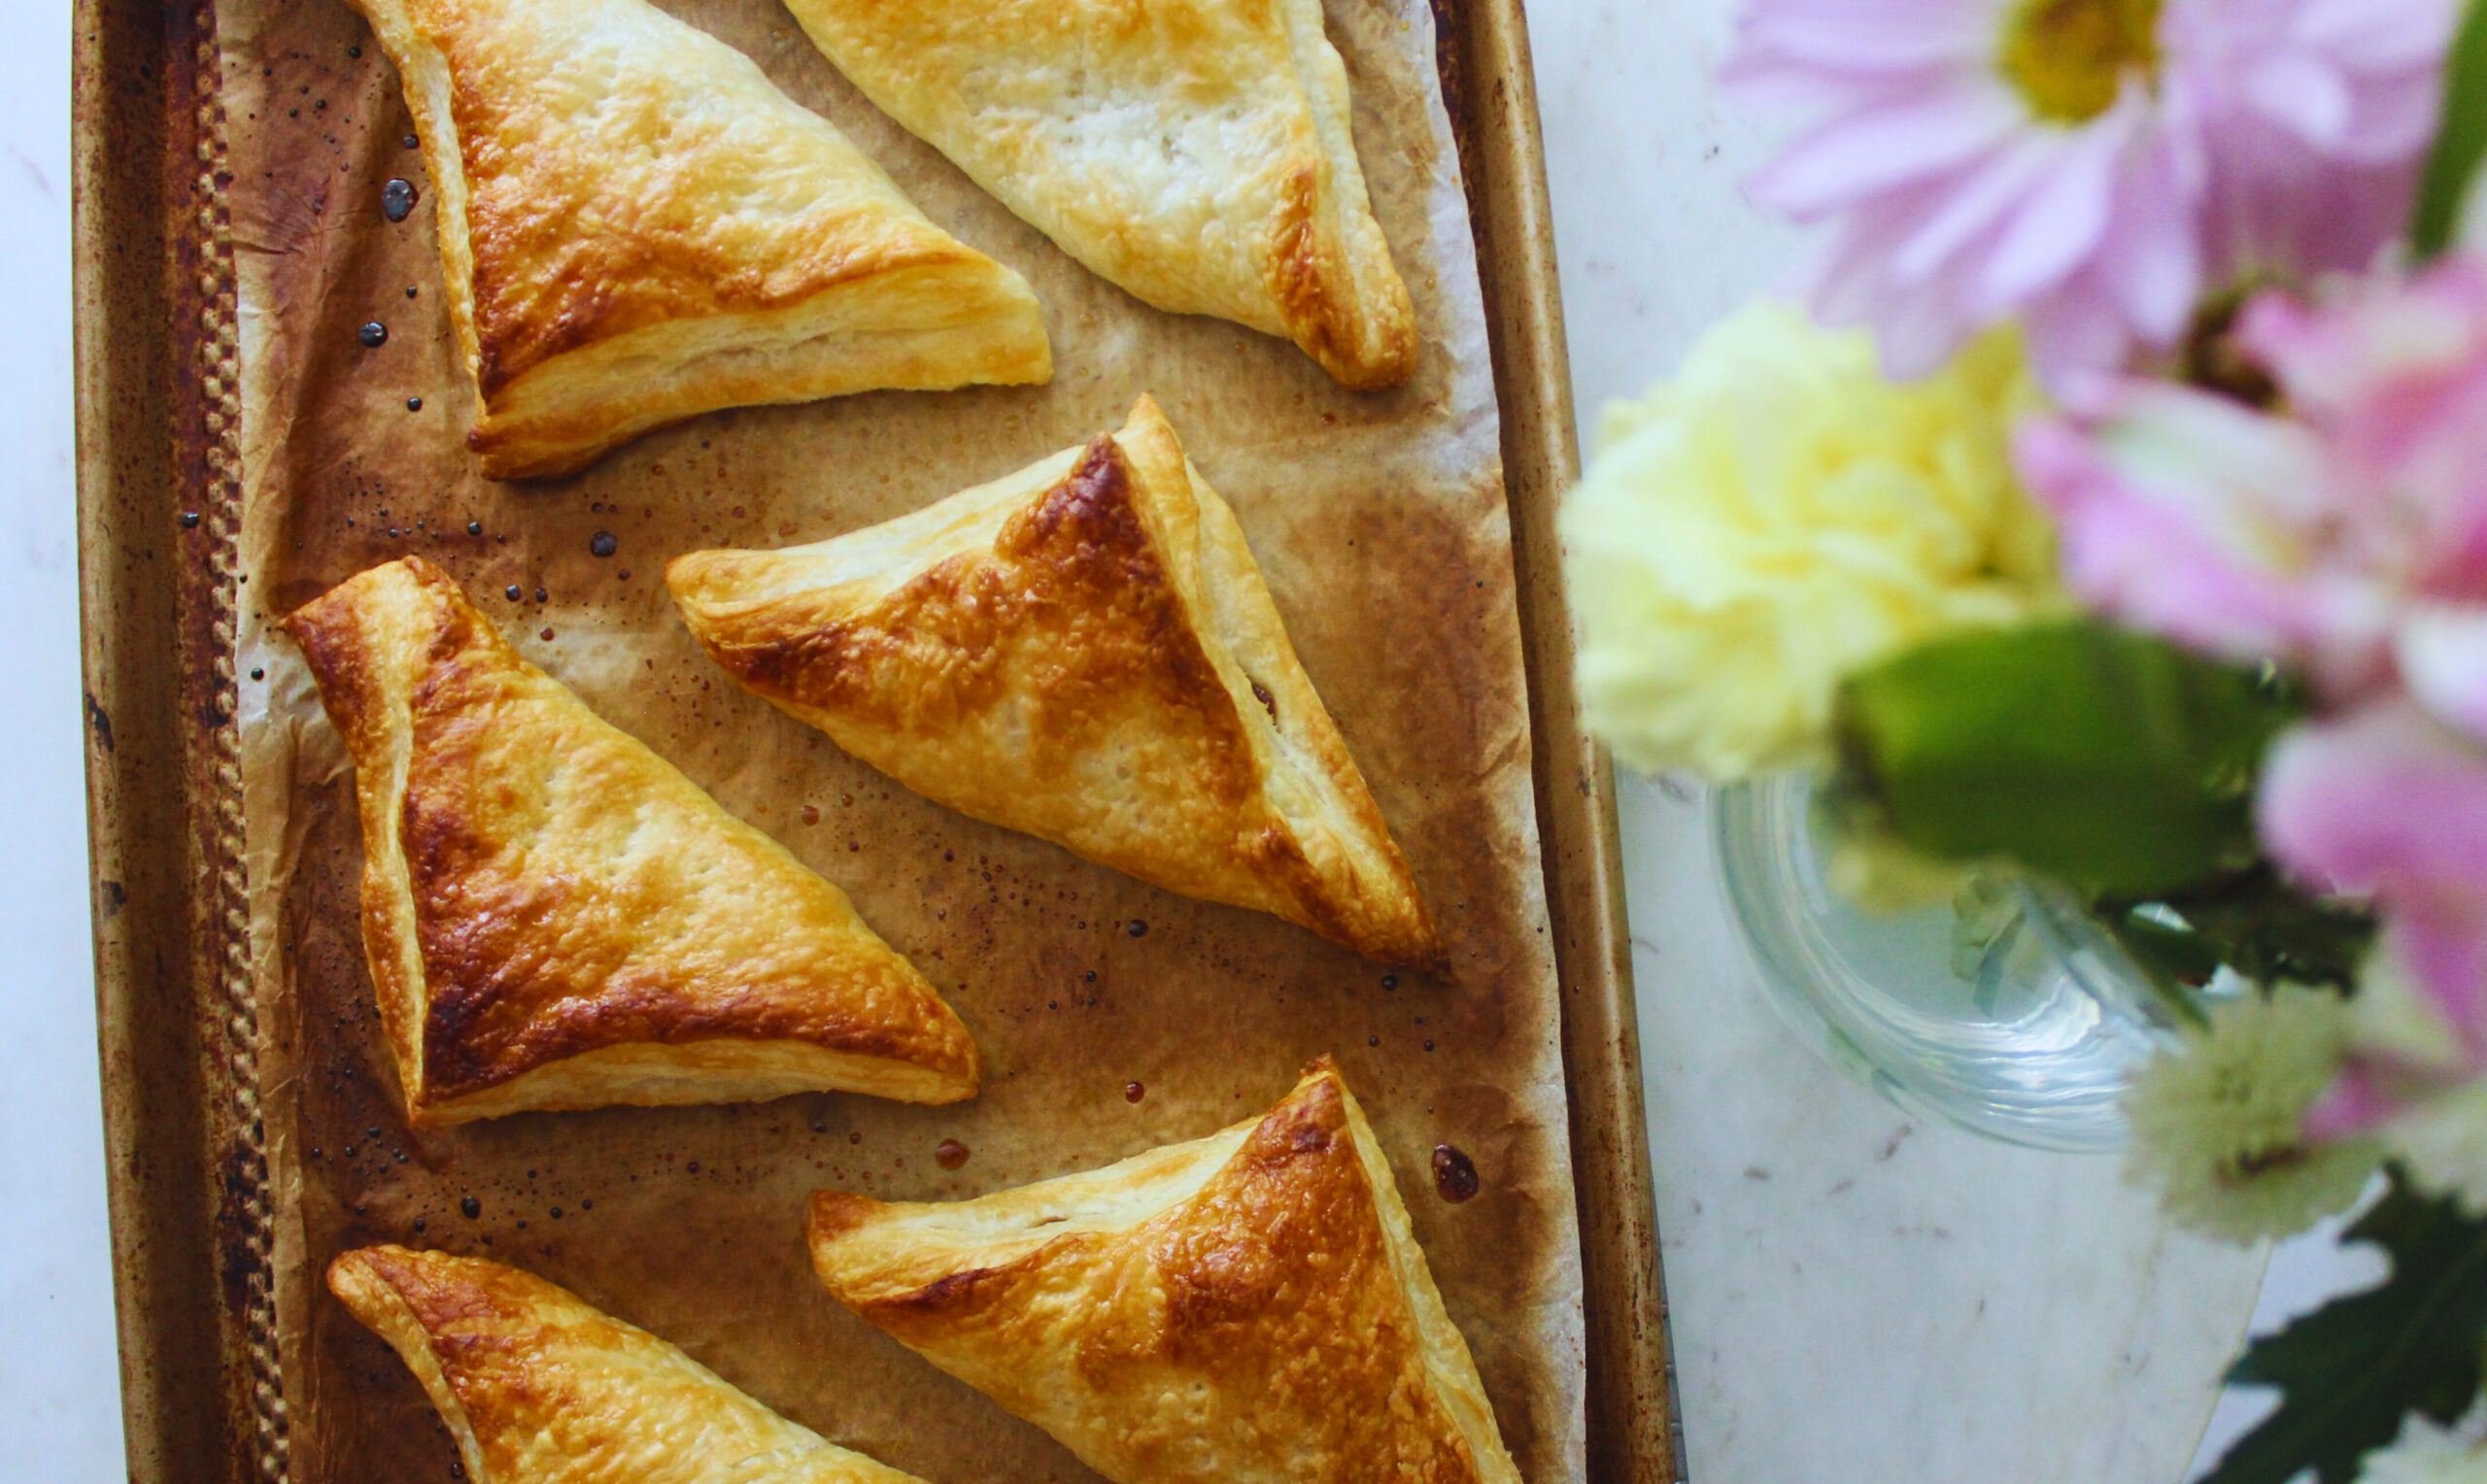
[556, 918]
[537, 1387]
[1197, 153]
[637, 226]
[1247, 1308]
[1084, 650]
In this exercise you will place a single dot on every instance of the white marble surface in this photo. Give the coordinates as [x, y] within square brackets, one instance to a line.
[1855, 1298]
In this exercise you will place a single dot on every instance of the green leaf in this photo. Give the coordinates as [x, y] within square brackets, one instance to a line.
[2255, 922]
[2461, 141]
[2109, 759]
[2350, 1372]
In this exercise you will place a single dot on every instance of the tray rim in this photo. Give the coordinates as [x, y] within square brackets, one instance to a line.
[159, 496]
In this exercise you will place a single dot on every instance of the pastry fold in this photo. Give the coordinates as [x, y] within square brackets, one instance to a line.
[555, 918]
[1084, 650]
[1247, 1308]
[1197, 153]
[636, 226]
[537, 1387]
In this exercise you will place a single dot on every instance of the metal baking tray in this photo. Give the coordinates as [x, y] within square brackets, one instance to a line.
[159, 495]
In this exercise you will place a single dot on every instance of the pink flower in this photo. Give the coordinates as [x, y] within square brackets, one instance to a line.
[2083, 164]
[2194, 517]
[2330, 104]
[2387, 805]
[2350, 540]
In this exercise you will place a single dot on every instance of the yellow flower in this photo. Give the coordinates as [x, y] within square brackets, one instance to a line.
[1779, 516]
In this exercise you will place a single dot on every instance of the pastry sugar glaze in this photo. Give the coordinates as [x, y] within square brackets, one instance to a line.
[636, 226]
[1247, 1308]
[1074, 651]
[556, 918]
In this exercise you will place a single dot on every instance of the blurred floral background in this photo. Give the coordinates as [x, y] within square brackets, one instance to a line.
[2107, 509]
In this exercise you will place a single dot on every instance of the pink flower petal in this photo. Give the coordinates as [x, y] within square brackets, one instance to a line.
[1842, 163]
[2442, 655]
[2161, 515]
[2072, 332]
[2442, 938]
[2056, 227]
[2274, 135]
[1981, 199]
[2153, 267]
[2379, 36]
[2385, 804]
[2358, 1102]
[2299, 93]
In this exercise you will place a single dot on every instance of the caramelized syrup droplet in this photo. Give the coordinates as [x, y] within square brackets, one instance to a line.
[1454, 1174]
[1133, 1091]
[950, 1155]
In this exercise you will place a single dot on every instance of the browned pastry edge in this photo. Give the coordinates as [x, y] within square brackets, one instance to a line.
[1251, 1306]
[507, 982]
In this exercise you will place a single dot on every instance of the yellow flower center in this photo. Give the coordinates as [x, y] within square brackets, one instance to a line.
[2070, 57]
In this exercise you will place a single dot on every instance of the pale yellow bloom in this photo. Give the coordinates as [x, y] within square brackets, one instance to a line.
[2217, 1125]
[1779, 516]
[2443, 1140]
[2427, 1453]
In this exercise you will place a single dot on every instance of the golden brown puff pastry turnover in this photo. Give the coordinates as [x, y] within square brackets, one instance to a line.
[555, 918]
[1247, 1308]
[539, 1388]
[1197, 153]
[1084, 650]
[637, 226]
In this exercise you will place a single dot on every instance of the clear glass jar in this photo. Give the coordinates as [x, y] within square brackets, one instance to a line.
[2024, 1023]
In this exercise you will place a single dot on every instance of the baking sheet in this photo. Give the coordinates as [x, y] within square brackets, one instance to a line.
[1380, 521]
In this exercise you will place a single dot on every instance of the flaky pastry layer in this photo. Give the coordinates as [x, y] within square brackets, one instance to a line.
[538, 1386]
[1084, 650]
[556, 918]
[636, 226]
[1247, 1308]
[1198, 152]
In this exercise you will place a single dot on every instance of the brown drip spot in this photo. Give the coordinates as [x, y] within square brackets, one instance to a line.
[950, 1155]
[1454, 1174]
[811, 815]
[1133, 1091]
